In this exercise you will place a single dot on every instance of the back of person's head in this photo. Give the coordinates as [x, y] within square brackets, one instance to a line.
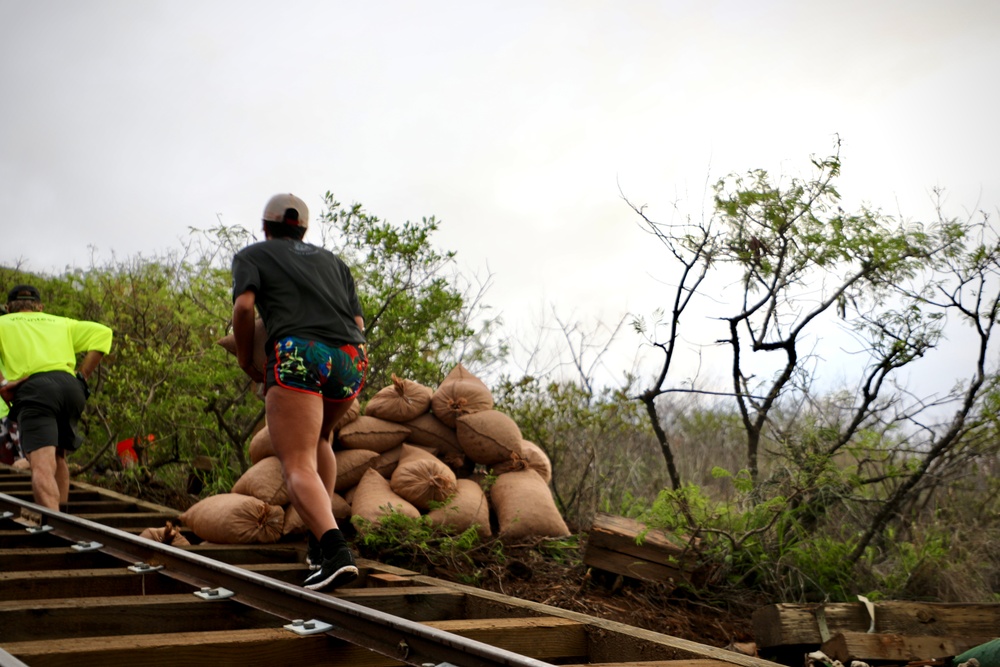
[24, 298]
[286, 216]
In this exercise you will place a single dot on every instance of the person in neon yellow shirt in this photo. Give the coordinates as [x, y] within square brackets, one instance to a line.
[38, 355]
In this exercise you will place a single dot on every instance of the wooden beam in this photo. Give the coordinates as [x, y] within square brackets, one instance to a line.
[24, 620]
[610, 641]
[58, 558]
[658, 663]
[630, 566]
[85, 583]
[626, 547]
[868, 646]
[124, 615]
[267, 646]
[540, 638]
[794, 624]
[616, 533]
[131, 519]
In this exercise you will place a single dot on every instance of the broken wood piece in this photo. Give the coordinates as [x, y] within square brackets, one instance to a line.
[626, 547]
[799, 624]
[875, 646]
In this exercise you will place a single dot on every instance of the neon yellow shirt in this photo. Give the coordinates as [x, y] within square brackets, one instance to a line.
[32, 342]
[4, 409]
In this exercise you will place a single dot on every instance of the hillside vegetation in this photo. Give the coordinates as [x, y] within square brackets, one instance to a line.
[796, 493]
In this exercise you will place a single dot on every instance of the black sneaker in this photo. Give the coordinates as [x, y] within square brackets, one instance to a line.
[337, 571]
[314, 554]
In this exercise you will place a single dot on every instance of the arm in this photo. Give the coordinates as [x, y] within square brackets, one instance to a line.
[8, 389]
[243, 329]
[90, 363]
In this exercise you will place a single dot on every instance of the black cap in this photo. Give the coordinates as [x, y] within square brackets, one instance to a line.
[23, 293]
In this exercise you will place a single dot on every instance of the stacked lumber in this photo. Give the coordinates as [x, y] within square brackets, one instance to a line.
[873, 632]
[628, 548]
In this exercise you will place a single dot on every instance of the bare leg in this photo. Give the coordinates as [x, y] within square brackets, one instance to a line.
[295, 420]
[62, 476]
[43, 477]
[332, 412]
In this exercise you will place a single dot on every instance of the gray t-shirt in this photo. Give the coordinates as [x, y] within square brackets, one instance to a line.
[301, 290]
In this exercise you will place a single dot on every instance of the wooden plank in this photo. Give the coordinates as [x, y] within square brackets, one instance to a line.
[416, 603]
[19, 538]
[244, 554]
[24, 620]
[94, 617]
[630, 566]
[658, 663]
[42, 585]
[268, 646]
[609, 641]
[795, 624]
[544, 638]
[108, 494]
[75, 506]
[613, 545]
[57, 558]
[131, 519]
[616, 533]
[868, 646]
[383, 580]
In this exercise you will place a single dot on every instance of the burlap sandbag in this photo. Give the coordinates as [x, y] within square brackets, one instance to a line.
[401, 401]
[386, 462]
[264, 480]
[351, 466]
[429, 431]
[373, 434]
[260, 446]
[489, 437]
[169, 534]
[259, 341]
[532, 457]
[460, 393]
[341, 510]
[467, 508]
[422, 478]
[353, 412]
[294, 525]
[374, 499]
[525, 508]
[232, 518]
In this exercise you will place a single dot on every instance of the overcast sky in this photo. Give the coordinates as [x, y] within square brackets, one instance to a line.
[123, 123]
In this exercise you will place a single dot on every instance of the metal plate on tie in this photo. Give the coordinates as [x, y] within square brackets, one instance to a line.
[7, 515]
[312, 627]
[214, 593]
[143, 568]
[34, 530]
[83, 545]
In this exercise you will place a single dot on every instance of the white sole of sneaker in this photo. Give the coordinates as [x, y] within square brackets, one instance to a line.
[343, 576]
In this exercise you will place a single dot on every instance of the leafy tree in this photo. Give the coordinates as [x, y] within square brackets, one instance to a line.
[421, 318]
[859, 459]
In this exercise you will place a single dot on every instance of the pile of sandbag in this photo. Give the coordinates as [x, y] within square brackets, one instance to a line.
[419, 450]
[412, 450]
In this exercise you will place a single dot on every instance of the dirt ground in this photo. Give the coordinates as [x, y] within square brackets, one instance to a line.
[529, 575]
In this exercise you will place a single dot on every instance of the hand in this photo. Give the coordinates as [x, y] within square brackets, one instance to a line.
[255, 373]
[8, 390]
[86, 387]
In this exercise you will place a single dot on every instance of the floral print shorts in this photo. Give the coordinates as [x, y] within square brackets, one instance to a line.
[336, 373]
